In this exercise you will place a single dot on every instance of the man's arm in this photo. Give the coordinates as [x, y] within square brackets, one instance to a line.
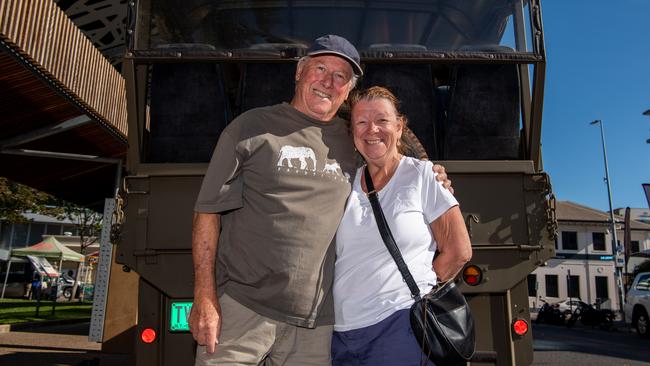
[205, 317]
[454, 246]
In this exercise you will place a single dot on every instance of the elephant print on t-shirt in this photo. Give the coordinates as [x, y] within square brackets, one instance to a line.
[302, 154]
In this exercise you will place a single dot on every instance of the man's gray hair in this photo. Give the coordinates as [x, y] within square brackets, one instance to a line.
[353, 81]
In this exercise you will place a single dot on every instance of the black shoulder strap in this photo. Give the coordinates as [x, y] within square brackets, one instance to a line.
[386, 234]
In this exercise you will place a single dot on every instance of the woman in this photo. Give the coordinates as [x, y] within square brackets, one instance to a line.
[371, 300]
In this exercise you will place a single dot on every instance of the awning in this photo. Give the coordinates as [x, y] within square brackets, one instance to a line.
[49, 248]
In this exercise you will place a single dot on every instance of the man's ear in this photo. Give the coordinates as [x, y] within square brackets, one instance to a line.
[301, 65]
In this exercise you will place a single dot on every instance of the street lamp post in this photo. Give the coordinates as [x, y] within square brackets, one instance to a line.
[611, 215]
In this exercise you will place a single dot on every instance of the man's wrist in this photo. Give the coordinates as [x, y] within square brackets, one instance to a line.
[206, 293]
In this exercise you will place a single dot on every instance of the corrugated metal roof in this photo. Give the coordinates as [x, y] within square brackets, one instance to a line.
[51, 73]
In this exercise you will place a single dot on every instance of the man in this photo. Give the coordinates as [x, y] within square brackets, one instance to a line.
[272, 198]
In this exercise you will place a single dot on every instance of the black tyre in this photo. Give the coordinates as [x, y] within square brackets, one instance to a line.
[641, 324]
[67, 292]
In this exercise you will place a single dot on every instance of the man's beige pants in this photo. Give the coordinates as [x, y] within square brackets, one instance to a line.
[248, 338]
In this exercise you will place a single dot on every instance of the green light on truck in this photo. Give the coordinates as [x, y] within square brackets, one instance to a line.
[178, 316]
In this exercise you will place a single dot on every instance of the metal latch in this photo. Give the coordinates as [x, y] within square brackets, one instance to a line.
[471, 218]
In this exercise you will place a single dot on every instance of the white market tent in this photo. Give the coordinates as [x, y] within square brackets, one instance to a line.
[50, 248]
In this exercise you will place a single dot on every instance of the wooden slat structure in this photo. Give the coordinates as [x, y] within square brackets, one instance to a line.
[51, 73]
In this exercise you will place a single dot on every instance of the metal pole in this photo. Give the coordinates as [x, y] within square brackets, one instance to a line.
[4, 285]
[611, 216]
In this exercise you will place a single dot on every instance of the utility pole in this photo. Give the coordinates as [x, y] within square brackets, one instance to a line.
[619, 273]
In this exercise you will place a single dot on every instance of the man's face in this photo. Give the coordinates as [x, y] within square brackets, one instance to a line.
[322, 85]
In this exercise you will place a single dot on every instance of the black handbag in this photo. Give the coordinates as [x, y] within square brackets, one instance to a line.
[441, 320]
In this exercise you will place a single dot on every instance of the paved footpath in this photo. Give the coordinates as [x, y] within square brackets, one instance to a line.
[60, 345]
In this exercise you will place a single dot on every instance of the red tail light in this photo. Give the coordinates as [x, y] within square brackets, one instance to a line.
[148, 335]
[520, 327]
[472, 275]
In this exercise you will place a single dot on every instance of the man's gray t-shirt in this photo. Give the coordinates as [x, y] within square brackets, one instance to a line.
[280, 180]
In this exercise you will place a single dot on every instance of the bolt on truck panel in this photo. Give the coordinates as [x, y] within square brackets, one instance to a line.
[469, 73]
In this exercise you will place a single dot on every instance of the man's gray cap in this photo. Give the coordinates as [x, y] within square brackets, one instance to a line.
[339, 46]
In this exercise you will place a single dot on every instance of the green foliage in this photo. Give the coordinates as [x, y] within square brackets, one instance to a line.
[87, 221]
[16, 198]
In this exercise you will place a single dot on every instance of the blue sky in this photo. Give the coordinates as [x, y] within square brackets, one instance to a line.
[598, 67]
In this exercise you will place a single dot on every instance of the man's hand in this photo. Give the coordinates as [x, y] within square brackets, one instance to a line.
[442, 177]
[205, 322]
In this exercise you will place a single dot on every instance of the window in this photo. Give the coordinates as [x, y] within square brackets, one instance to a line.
[599, 241]
[634, 246]
[602, 290]
[36, 233]
[53, 229]
[20, 236]
[569, 240]
[643, 284]
[532, 285]
[551, 285]
[5, 236]
[573, 286]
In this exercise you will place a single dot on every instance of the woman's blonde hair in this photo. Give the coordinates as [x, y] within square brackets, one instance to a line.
[379, 92]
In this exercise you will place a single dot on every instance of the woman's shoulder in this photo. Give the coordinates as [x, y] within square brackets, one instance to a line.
[417, 164]
[416, 170]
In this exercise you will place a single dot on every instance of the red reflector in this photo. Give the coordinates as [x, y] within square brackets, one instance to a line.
[148, 335]
[520, 327]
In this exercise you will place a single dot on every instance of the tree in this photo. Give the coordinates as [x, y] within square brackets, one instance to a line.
[87, 221]
[15, 199]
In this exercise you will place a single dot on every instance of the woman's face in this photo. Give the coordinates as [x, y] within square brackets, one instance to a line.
[376, 129]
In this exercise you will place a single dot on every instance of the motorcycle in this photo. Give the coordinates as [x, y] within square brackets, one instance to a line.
[590, 316]
[550, 314]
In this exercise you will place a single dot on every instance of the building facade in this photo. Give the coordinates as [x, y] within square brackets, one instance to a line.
[585, 265]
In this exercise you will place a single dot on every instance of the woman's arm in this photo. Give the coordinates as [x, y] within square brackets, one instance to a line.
[454, 246]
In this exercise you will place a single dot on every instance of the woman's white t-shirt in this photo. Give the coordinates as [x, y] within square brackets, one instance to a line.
[368, 287]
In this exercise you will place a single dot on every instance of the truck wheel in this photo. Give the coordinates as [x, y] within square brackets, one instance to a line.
[67, 292]
[642, 324]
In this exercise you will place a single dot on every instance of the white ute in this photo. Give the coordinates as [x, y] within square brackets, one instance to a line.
[637, 305]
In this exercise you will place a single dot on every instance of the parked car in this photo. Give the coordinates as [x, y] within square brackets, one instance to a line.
[567, 306]
[637, 304]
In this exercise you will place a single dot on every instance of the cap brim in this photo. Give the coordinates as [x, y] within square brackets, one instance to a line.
[355, 66]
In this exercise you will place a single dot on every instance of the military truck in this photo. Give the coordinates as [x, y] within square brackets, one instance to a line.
[469, 73]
